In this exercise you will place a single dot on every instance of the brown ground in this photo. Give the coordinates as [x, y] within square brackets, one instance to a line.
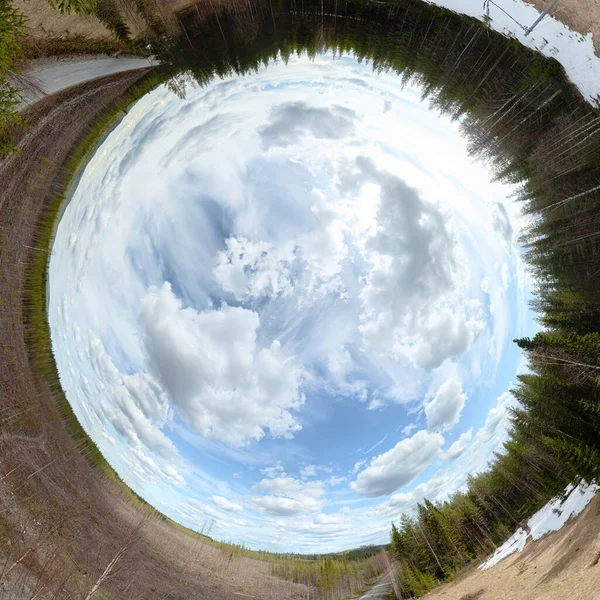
[61, 523]
[45, 22]
[561, 566]
[582, 16]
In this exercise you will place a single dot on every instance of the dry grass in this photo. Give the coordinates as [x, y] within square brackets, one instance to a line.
[46, 23]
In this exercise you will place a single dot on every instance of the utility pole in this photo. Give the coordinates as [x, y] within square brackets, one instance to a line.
[550, 7]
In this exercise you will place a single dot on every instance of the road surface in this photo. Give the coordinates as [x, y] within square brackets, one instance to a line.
[379, 591]
[49, 76]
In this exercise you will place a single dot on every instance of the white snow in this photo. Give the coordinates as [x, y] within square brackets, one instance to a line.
[515, 543]
[549, 518]
[551, 37]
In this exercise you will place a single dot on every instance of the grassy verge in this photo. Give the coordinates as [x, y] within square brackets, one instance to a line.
[35, 297]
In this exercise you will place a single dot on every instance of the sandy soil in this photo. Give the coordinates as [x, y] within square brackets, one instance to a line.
[562, 565]
[45, 22]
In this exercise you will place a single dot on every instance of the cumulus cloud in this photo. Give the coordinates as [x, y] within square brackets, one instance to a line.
[138, 408]
[324, 248]
[443, 412]
[254, 269]
[289, 496]
[414, 269]
[146, 470]
[399, 466]
[497, 418]
[292, 121]
[405, 502]
[273, 471]
[408, 429]
[358, 466]
[221, 382]
[458, 447]
[226, 505]
[308, 471]
[336, 480]
[281, 506]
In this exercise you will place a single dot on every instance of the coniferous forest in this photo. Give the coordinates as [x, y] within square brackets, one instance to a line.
[526, 121]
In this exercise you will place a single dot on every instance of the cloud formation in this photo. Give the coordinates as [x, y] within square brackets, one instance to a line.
[221, 382]
[443, 412]
[287, 496]
[292, 121]
[414, 268]
[259, 303]
[459, 446]
[399, 466]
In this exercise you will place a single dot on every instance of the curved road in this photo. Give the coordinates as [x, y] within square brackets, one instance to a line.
[49, 76]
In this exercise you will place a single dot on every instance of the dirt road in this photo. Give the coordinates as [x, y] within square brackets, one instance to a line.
[379, 591]
[52, 75]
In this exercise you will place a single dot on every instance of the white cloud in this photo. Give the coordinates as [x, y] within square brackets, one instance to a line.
[414, 269]
[501, 222]
[284, 485]
[409, 429]
[458, 447]
[221, 382]
[358, 466]
[340, 366]
[505, 276]
[285, 507]
[497, 418]
[339, 362]
[406, 502]
[292, 121]
[308, 471]
[137, 409]
[273, 471]
[147, 470]
[324, 248]
[399, 466]
[289, 496]
[376, 404]
[336, 480]
[447, 334]
[254, 269]
[443, 412]
[226, 505]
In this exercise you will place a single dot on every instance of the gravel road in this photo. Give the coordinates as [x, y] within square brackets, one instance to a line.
[49, 76]
[379, 591]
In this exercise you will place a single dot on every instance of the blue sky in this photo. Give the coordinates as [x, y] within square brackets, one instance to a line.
[283, 306]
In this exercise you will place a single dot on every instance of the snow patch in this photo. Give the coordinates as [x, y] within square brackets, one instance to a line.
[549, 518]
[551, 37]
